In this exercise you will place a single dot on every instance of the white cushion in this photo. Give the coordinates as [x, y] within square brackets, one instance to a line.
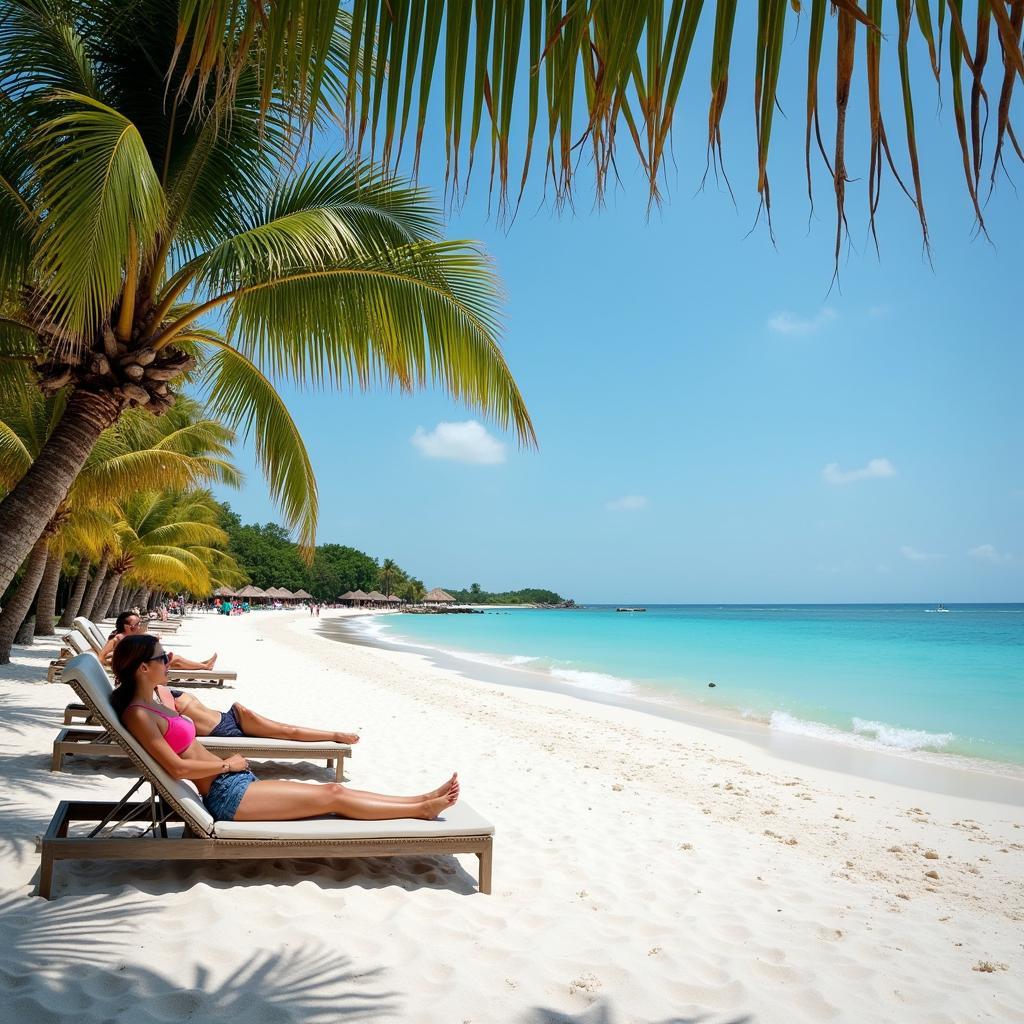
[90, 629]
[86, 670]
[78, 643]
[241, 743]
[460, 820]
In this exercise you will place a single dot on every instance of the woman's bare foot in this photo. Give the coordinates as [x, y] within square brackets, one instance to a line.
[346, 737]
[433, 807]
[210, 662]
[451, 786]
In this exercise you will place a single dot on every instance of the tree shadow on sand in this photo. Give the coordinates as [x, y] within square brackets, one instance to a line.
[602, 1012]
[86, 954]
[19, 715]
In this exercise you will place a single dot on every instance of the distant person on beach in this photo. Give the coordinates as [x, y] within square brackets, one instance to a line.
[229, 790]
[241, 721]
[128, 624]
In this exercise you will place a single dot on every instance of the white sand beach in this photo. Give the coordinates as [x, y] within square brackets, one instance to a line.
[645, 870]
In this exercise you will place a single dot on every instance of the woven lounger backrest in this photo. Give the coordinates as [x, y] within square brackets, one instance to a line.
[91, 632]
[79, 644]
[86, 676]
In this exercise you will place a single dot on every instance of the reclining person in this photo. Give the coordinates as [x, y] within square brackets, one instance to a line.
[128, 624]
[229, 790]
[241, 721]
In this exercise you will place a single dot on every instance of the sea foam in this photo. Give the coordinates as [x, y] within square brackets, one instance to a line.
[867, 734]
[593, 680]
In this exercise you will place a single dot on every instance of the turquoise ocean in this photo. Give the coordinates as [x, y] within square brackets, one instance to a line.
[891, 677]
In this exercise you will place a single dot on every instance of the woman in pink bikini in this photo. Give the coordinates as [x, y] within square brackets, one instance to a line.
[229, 790]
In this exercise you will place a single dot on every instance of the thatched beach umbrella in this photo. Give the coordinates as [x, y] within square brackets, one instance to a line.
[376, 596]
[438, 596]
[224, 592]
[358, 596]
[303, 595]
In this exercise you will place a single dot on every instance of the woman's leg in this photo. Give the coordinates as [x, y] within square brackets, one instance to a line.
[254, 724]
[178, 662]
[290, 801]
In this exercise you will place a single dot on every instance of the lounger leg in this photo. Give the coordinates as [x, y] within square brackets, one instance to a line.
[45, 874]
[484, 857]
[57, 761]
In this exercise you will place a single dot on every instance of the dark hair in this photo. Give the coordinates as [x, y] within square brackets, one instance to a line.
[129, 654]
[121, 621]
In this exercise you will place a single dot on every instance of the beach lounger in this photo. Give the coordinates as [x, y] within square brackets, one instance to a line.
[81, 741]
[83, 641]
[460, 830]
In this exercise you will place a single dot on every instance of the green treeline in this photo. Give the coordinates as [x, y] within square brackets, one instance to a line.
[529, 595]
[270, 559]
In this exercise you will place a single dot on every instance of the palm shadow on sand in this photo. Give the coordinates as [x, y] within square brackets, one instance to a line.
[96, 954]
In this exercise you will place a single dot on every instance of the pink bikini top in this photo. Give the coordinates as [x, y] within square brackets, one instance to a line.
[181, 731]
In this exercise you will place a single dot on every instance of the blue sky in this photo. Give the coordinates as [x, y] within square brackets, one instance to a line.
[715, 423]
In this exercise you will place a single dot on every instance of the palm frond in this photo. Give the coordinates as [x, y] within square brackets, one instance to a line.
[151, 468]
[103, 204]
[420, 314]
[240, 393]
[330, 210]
[603, 71]
[44, 50]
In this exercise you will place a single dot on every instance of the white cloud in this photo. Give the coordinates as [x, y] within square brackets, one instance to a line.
[875, 469]
[628, 503]
[989, 553]
[791, 323]
[460, 442]
[913, 555]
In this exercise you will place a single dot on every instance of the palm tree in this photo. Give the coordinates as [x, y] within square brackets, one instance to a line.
[142, 208]
[178, 449]
[171, 541]
[389, 576]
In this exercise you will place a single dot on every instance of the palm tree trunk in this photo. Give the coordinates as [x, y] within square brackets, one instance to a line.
[75, 597]
[28, 508]
[89, 601]
[17, 608]
[99, 612]
[143, 600]
[117, 601]
[46, 599]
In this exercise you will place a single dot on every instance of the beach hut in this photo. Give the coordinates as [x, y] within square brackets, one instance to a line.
[285, 594]
[438, 596]
[394, 599]
[376, 597]
[302, 595]
[358, 596]
[224, 592]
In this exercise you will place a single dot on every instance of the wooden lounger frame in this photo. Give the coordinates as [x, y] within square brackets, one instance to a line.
[58, 845]
[162, 807]
[187, 677]
[86, 742]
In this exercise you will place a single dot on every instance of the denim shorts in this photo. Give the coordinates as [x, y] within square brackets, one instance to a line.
[226, 792]
[228, 725]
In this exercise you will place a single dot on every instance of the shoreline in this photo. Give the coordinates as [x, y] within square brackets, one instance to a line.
[948, 774]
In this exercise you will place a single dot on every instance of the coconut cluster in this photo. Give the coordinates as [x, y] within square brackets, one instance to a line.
[135, 375]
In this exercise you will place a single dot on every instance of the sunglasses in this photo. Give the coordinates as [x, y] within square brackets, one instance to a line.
[165, 657]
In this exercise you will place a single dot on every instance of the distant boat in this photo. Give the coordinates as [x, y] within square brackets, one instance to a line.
[631, 609]
[942, 608]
